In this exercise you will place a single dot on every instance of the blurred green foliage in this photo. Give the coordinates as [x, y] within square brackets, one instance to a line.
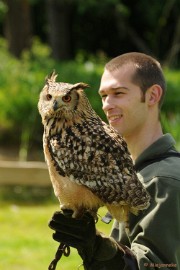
[22, 80]
[170, 115]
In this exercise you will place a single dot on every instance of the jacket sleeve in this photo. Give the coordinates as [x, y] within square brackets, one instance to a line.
[155, 234]
[103, 259]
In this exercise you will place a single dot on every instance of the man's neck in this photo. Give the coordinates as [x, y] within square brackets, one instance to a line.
[142, 140]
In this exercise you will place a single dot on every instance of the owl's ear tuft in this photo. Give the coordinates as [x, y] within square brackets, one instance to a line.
[80, 85]
[51, 77]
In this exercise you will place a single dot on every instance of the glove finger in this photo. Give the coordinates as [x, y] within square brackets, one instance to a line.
[60, 218]
[68, 227]
[78, 233]
[68, 240]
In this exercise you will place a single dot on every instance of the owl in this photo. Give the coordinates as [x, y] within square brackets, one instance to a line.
[88, 161]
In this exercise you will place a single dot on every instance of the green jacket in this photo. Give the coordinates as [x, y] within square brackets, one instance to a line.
[155, 232]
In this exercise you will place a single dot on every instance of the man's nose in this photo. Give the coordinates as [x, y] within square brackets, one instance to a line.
[108, 103]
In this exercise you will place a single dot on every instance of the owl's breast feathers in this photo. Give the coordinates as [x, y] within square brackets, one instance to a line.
[93, 155]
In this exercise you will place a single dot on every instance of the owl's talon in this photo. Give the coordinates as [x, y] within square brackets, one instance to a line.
[67, 212]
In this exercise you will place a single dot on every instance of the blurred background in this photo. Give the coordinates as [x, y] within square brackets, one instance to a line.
[76, 38]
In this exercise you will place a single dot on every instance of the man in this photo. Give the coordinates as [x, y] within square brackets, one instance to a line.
[132, 90]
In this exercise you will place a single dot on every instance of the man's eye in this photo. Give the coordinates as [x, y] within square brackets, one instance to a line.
[119, 93]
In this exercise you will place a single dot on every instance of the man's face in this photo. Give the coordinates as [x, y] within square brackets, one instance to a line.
[122, 101]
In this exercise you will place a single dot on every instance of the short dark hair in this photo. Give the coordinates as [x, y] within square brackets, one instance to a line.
[148, 70]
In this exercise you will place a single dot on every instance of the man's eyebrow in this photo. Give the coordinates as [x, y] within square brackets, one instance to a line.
[113, 89]
[119, 88]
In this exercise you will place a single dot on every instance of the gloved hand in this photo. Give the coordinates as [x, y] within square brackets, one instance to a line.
[97, 251]
[77, 233]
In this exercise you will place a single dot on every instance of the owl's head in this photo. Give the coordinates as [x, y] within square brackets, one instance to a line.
[61, 100]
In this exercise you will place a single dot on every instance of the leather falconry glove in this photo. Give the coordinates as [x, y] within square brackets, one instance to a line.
[96, 250]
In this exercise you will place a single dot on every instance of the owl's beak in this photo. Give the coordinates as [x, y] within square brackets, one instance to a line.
[55, 105]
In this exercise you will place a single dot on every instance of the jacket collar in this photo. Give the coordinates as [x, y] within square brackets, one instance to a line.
[158, 148]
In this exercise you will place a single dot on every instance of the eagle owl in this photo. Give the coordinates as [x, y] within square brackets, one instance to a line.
[88, 161]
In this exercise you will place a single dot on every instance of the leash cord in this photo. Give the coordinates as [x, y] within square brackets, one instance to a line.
[63, 249]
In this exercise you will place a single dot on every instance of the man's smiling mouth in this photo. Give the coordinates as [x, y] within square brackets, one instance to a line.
[112, 118]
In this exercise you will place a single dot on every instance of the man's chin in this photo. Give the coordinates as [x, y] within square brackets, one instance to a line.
[117, 129]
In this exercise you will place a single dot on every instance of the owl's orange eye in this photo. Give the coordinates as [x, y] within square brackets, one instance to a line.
[48, 97]
[66, 98]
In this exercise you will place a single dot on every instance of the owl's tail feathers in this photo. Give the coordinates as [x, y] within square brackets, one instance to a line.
[119, 211]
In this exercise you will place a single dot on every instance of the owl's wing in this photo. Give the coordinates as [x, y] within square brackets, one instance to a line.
[97, 157]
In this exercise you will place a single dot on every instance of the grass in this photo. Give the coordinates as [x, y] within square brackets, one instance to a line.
[26, 241]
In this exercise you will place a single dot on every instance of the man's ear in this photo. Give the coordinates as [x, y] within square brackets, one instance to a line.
[154, 94]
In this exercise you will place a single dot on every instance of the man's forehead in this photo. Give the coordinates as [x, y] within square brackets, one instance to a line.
[116, 78]
[110, 88]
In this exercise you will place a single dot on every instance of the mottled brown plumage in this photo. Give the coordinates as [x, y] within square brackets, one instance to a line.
[88, 161]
